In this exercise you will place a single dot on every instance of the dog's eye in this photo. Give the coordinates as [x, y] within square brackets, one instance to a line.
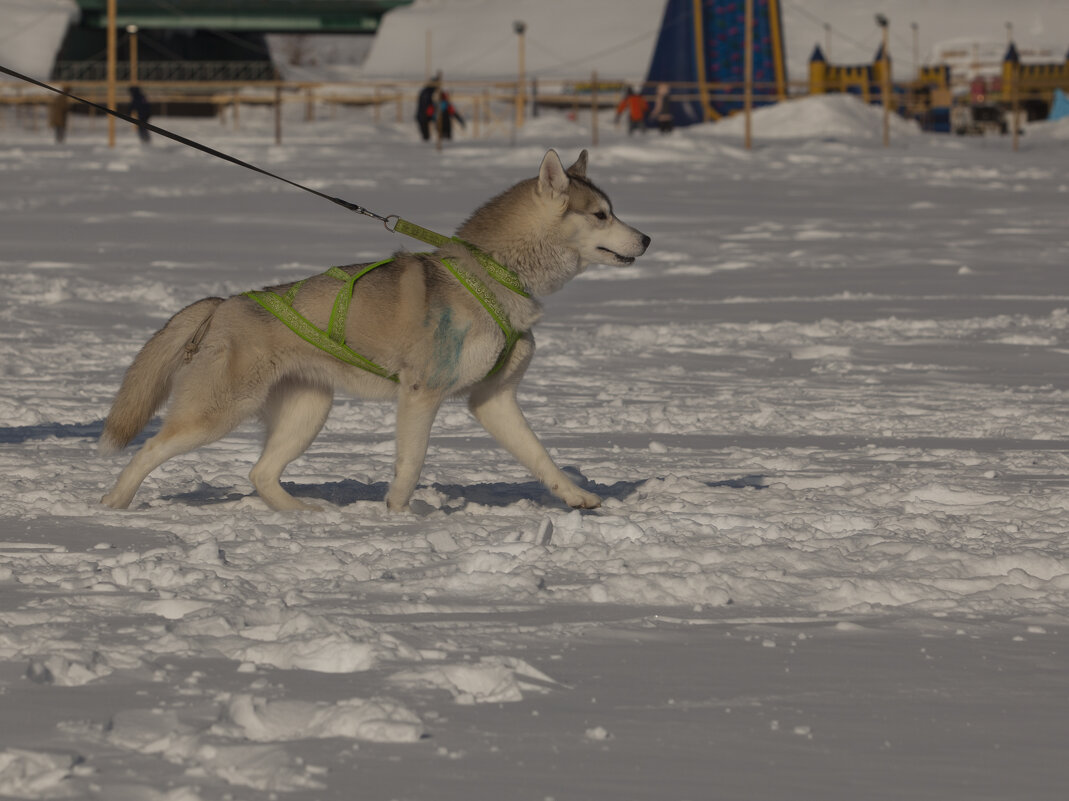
[600, 215]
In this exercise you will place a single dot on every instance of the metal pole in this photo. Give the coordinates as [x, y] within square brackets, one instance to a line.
[111, 46]
[594, 108]
[747, 102]
[916, 46]
[132, 30]
[427, 55]
[278, 114]
[885, 81]
[521, 100]
[1015, 94]
[699, 60]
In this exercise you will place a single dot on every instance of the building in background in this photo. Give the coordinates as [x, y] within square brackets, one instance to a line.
[222, 40]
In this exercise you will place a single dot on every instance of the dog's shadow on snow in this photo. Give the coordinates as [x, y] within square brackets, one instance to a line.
[349, 491]
[496, 494]
[16, 435]
[493, 494]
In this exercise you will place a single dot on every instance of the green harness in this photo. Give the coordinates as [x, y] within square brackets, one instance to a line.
[332, 340]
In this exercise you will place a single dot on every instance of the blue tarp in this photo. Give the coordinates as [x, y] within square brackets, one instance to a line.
[1059, 109]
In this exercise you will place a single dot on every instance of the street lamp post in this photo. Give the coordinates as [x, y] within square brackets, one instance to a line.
[885, 80]
[520, 28]
[111, 56]
[747, 89]
[916, 45]
[132, 31]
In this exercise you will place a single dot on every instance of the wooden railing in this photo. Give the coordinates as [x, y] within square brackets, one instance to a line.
[487, 106]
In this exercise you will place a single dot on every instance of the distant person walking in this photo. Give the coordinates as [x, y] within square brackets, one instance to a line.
[142, 109]
[425, 106]
[636, 107]
[445, 116]
[57, 115]
[662, 109]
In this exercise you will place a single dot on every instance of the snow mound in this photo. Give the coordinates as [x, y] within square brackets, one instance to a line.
[838, 116]
[493, 680]
[33, 774]
[377, 720]
[333, 653]
[63, 672]
[156, 732]
[1050, 130]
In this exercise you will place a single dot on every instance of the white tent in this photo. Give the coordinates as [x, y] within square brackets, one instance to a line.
[477, 38]
[31, 32]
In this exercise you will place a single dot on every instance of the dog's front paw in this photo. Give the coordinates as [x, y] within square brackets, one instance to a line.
[115, 500]
[395, 505]
[581, 499]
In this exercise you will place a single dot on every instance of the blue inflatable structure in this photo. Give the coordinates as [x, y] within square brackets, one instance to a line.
[700, 48]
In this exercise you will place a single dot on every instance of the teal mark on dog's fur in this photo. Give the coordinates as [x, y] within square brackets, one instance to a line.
[448, 345]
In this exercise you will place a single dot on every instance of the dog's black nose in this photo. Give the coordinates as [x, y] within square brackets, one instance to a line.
[645, 241]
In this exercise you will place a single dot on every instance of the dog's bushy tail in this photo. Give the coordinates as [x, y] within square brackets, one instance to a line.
[147, 383]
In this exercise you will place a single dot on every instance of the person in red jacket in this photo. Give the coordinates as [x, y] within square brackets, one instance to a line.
[445, 116]
[636, 107]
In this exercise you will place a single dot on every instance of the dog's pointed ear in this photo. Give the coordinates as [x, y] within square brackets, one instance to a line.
[579, 168]
[552, 178]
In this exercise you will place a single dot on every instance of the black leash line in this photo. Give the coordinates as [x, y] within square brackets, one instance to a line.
[394, 223]
[211, 151]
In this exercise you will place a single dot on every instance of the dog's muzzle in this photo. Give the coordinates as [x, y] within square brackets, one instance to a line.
[621, 258]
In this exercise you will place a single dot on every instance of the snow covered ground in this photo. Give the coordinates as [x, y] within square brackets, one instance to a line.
[827, 413]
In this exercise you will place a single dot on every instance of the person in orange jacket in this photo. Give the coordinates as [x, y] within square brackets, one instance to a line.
[636, 107]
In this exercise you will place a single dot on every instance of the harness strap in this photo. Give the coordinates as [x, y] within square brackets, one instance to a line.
[489, 301]
[291, 293]
[332, 343]
[500, 273]
[338, 315]
[332, 340]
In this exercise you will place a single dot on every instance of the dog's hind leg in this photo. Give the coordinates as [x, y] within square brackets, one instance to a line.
[294, 414]
[416, 410]
[179, 434]
[499, 413]
[206, 405]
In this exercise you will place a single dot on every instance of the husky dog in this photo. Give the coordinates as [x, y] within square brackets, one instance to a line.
[433, 337]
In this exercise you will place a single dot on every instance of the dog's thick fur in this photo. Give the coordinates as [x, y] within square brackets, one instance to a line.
[222, 361]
